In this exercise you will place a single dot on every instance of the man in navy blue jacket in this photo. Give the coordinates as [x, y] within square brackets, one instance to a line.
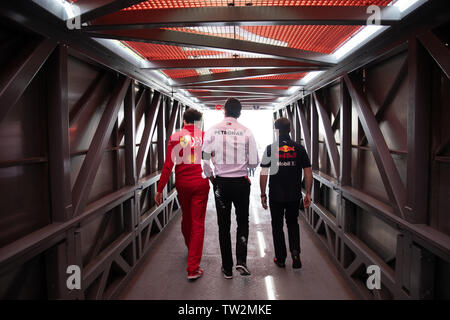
[284, 161]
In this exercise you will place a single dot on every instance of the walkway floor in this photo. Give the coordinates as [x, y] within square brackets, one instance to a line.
[162, 274]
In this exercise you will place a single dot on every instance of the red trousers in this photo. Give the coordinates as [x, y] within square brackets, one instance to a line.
[193, 197]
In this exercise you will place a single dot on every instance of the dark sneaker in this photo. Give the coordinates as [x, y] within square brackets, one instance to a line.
[243, 270]
[296, 262]
[227, 274]
[196, 274]
[279, 264]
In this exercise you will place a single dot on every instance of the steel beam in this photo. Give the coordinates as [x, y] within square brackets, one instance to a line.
[336, 121]
[90, 10]
[193, 40]
[91, 98]
[246, 104]
[200, 95]
[259, 91]
[345, 132]
[419, 133]
[58, 136]
[386, 166]
[260, 63]
[129, 126]
[18, 73]
[173, 117]
[298, 130]
[390, 94]
[150, 123]
[291, 119]
[234, 75]
[330, 142]
[305, 129]
[59, 168]
[138, 113]
[314, 155]
[91, 163]
[243, 16]
[161, 147]
[437, 50]
[242, 100]
[243, 83]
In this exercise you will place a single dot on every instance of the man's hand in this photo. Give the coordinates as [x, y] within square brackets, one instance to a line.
[307, 201]
[158, 198]
[211, 178]
[264, 202]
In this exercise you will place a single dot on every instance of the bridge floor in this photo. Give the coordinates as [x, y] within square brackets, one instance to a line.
[162, 274]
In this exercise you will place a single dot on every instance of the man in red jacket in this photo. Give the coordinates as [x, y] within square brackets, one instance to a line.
[185, 152]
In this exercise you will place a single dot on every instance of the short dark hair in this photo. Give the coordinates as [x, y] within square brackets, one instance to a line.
[283, 125]
[191, 115]
[233, 108]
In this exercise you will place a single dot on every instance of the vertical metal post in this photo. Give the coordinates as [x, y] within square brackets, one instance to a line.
[130, 136]
[422, 273]
[314, 136]
[419, 119]
[298, 134]
[58, 136]
[314, 148]
[162, 132]
[130, 207]
[59, 168]
[345, 215]
[346, 136]
[305, 129]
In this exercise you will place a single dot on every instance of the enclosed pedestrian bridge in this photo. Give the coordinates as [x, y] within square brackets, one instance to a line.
[91, 90]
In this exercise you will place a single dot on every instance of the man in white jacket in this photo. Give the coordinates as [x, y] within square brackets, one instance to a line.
[232, 149]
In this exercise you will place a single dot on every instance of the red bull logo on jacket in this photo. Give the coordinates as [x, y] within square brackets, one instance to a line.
[286, 148]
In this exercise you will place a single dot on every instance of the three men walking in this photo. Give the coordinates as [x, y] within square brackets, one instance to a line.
[232, 149]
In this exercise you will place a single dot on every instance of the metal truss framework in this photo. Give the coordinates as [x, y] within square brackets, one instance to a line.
[106, 19]
[105, 269]
[164, 36]
[410, 273]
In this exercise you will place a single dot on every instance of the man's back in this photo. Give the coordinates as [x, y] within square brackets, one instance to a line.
[232, 147]
[285, 184]
[184, 151]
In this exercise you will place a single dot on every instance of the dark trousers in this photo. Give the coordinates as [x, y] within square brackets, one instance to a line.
[234, 191]
[289, 211]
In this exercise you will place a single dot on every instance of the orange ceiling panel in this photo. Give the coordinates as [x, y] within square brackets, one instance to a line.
[323, 39]
[172, 4]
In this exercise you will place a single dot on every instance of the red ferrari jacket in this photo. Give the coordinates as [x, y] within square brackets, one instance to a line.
[185, 152]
